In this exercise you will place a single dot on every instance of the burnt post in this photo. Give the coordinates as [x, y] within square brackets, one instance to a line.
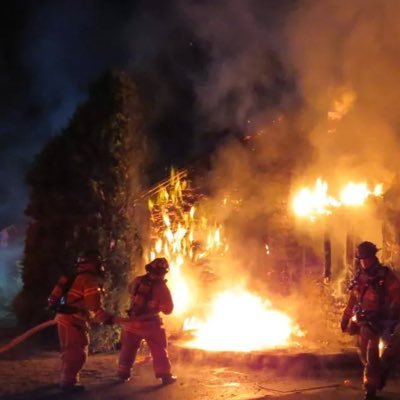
[350, 251]
[327, 256]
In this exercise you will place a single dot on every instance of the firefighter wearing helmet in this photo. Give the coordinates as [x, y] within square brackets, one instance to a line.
[149, 295]
[75, 299]
[372, 313]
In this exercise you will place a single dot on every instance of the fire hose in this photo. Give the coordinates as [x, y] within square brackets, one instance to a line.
[37, 328]
[347, 384]
[331, 386]
[26, 335]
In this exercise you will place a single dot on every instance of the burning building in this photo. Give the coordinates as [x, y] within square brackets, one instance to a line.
[227, 302]
[211, 292]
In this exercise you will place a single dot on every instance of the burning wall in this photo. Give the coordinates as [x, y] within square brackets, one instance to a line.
[342, 126]
[346, 81]
[215, 302]
[220, 281]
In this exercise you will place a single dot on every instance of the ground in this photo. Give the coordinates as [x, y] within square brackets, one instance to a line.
[34, 376]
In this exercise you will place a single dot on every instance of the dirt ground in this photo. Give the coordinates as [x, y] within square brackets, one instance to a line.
[27, 372]
[36, 378]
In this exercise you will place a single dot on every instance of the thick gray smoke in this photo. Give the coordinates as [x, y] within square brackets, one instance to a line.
[246, 89]
[352, 45]
[340, 59]
[342, 62]
[245, 78]
[346, 59]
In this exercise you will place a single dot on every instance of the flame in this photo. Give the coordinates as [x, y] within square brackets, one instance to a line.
[241, 321]
[355, 194]
[175, 230]
[342, 104]
[238, 320]
[312, 202]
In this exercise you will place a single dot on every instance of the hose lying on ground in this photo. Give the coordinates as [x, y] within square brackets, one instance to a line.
[27, 334]
[332, 386]
[44, 325]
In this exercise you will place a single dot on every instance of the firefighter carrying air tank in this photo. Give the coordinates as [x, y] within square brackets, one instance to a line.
[76, 299]
[373, 314]
[149, 296]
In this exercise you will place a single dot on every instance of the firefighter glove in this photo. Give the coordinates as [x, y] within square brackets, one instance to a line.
[344, 324]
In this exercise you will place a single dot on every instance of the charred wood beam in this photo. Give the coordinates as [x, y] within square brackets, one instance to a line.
[327, 257]
[162, 184]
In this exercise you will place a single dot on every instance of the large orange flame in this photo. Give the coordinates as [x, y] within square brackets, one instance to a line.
[236, 319]
[317, 201]
[176, 235]
[241, 321]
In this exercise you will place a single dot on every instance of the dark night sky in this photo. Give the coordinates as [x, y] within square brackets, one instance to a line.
[52, 49]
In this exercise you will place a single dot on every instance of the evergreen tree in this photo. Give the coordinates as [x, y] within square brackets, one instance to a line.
[83, 186]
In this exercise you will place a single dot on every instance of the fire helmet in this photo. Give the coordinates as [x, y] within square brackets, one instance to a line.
[90, 257]
[366, 250]
[158, 266]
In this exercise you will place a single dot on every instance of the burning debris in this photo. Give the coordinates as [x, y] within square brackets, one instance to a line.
[261, 326]
[317, 201]
[197, 250]
[182, 237]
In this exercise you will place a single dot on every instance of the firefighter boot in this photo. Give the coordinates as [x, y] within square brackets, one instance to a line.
[383, 379]
[72, 388]
[123, 378]
[370, 395]
[168, 379]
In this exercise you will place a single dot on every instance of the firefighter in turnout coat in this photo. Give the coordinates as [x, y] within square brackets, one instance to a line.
[149, 295]
[372, 313]
[75, 299]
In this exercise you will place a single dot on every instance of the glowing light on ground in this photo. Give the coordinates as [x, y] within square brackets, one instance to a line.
[176, 233]
[241, 321]
[237, 319]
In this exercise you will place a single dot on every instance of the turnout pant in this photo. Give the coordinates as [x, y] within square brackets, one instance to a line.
[368, 345]
[156, 339]
[74, 342]
[391, 353]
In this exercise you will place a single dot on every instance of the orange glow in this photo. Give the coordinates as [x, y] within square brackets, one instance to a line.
[355, 194]
[342, 104]
[317, 201]
[175, 229]
[241, 321]
[238, 320]
[312, 202]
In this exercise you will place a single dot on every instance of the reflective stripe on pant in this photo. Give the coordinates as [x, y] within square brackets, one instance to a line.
[368, 343]
[74, 343]
[156, 340]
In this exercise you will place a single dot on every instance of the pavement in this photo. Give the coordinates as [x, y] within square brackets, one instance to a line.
[211, 376]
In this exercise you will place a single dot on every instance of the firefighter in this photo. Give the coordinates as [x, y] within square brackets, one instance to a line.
[149, 295]
[75, 299]
[372, 312]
